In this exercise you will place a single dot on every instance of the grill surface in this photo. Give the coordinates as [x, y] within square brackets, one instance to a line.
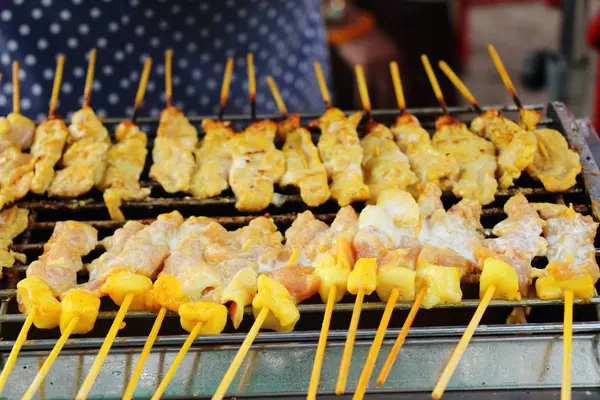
[436, 329]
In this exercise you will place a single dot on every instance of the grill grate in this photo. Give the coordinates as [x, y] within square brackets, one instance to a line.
[441, 321]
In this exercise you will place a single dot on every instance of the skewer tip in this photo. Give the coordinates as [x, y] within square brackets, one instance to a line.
[504, 75]
[225, 86]
[322, 84]
[251, 84]
[363, 90]
[434, 83]
[168, 74]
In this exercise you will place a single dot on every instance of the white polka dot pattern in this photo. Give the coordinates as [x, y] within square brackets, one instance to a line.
[287, 36]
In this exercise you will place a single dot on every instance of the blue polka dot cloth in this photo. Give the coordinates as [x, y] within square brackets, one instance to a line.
[286, 37]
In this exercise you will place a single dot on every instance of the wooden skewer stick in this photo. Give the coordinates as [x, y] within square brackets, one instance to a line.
[133, 380]
[320, 354]
[241, 354]
[440, 387]
[225, 87]
[277, 96]
[460, 85]
[398, 86]
[168, 74]
[504, 75]
[434, 83]
[362, 89]
[35, 385]
[387, 366]
[139, 97]
[565, 391]
[16, 88]
[251, 85]
[12, 357]
[322, 84]
[60, 62]
[363, 381]
[108, 341]
[340, 387]
[182, 352]
[89, 79]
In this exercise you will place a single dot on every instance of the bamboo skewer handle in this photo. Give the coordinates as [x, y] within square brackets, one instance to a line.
[340, 387]
[565, 390]
[12, 357]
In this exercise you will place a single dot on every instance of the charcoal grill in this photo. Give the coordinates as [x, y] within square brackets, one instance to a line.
[500, 357]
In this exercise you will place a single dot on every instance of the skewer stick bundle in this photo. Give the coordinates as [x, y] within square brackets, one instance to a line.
[89, 79]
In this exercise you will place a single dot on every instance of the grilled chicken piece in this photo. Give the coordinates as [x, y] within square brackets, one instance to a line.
[384, 165]
[516, 146]
[518, 240]
[47, 148]
[61, 260]
[173, 153]
[144, 252]
[126, 160]
[342, 156]
[475, 156]
[18, 129]
[428, 163]
[389, 232]
[213, 160]
[257, 165]
[303, 167]
[84, 161]
[13, 222]
[16, 172]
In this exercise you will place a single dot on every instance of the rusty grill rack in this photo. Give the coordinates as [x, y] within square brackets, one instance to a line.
[441, 321]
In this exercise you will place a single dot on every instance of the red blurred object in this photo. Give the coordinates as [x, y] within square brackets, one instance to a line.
[593, 40]
[463, 26]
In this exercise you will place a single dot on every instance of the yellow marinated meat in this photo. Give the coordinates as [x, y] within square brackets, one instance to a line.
[213, 160]
[47, 148]
[16, 172]
[342, 156]
[18, 129]
[256, 166]
[384, 165]
[13, 222]
[303, 167]
[173, 152]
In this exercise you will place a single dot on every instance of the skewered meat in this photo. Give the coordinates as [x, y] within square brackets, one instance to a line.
[518, 240]
[428, 163]
[342, 156]
[303, 167]
[84, 161]
[47, 148]
[18, 129]
[16, 172]
[213, 160]
[144, 252]
[475, 156]
[257, 165]
[61, 260]
[516, 146]
[571, 254]
[384, 165]
[126, 160]
[173, 152]
[12, 223]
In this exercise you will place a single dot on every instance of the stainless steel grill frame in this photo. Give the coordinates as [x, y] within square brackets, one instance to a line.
[280, 364]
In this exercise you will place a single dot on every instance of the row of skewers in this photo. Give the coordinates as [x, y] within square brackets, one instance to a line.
[400, 248]
[471, 162]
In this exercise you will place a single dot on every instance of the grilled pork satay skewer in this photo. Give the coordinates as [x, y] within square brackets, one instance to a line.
[385, 166]
[572, 270]
[257, 164]
[340, 150]
[13, 222]
[516, 146]
[50, 138]
[176, 139]
[16, 135]
[476, 156]
[126, 158]
[213, 157]
[84, 160]
[16, 127]
[303, 167]
[54, 272]
[554, 163]
[389, 233]
[428, 163]
[126, 279]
